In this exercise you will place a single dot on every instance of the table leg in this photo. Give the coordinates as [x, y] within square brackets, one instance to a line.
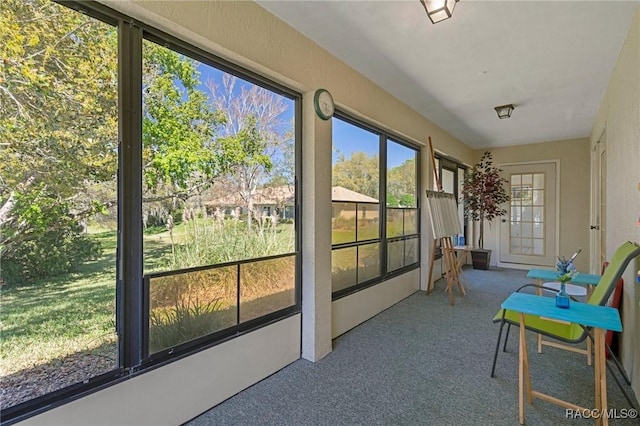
[539, 292]
[601, 378]
[523, 372]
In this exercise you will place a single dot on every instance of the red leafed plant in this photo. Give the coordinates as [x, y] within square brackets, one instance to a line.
[483, 193]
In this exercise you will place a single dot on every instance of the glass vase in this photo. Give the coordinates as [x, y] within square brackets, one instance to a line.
[562, 298]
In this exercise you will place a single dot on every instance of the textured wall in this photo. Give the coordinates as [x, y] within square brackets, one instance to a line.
[574, 192]
[619, 118]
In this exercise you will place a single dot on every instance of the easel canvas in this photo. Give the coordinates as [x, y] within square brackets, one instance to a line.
[443, 210]
[444, 223]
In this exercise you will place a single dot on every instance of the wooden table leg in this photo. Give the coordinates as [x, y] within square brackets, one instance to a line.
[601, 377]
[523, 372]
[539, 292]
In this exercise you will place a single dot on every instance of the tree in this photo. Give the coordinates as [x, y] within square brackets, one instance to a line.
[401, 182]
[58, 127]
[181, 155]
[254, 137]
[58, 123]
[359, 173]
[483, 193]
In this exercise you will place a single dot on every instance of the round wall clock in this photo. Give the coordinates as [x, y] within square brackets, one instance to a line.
[323, 104]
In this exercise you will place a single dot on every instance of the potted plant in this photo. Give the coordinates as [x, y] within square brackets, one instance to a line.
[484, 192]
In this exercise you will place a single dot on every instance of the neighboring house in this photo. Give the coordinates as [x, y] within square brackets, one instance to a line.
[345, 202]
[278, 199]
[281, 200]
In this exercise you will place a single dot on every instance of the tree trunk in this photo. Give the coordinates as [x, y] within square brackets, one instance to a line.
[481, 235]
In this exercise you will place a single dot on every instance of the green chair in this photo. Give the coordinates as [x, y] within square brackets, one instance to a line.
[570, 332]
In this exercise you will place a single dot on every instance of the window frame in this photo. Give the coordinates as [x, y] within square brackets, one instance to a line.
[385, 136]
[132, 296]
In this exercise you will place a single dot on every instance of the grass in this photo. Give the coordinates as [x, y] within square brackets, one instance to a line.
[57, 316]
[75, 313]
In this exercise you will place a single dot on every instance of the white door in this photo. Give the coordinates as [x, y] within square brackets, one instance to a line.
[598, 249]
[528, 232]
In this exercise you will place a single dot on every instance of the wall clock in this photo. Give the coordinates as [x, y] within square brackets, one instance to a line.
[323, 104]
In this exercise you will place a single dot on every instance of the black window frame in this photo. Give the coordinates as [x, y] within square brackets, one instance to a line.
[132, 296]
[385, 136]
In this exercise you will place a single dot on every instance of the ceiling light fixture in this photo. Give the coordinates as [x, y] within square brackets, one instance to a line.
[504, 111]
[439, 10]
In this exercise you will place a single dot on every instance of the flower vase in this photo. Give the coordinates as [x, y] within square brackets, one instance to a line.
[562, 298]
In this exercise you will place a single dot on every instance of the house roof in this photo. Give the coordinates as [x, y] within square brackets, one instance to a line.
[284, 195]
[339, 193]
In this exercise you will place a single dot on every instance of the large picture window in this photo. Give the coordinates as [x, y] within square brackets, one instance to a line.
[402, 206]
[218, 196]
[355, 218]
[369, 242]
[58, 199]
[119, 256]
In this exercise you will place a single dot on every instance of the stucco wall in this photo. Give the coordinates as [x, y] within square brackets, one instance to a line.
[619, 117]
[247, 35]
[573, 208]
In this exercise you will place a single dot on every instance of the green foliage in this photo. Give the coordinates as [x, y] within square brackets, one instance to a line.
[183, 322]
[245, 149]
[408, 200]
[359, 173]
[401, 184]
[204, 244]
[58, 97]
[179, 123]
[55, 243]
[484, 193]
[392, 201]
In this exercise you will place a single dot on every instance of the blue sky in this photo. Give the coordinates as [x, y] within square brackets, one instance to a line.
[347, 138]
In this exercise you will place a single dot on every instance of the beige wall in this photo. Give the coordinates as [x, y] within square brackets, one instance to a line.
[619, 117]
[352, 310]
[175, 393]
[574, 157]
[249, 36]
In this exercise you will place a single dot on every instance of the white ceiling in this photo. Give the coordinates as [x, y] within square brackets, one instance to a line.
[551, 59]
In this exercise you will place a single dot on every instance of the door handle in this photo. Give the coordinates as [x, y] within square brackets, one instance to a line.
[597, 228]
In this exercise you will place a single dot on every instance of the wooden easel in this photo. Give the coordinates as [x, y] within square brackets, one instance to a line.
[453, 271]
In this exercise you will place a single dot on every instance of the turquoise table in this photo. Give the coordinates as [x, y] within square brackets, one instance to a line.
[600, 318]
[548, 275]
[586, 280]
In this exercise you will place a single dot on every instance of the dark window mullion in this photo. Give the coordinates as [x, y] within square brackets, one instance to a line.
[131, 298]
[356, 224]
[238, 280]
[382, 198]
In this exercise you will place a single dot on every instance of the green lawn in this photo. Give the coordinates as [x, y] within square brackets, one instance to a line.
[53, 317]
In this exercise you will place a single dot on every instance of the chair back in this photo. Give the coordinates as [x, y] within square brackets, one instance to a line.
[613, 272]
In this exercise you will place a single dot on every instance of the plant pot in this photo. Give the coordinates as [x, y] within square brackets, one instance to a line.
[480, 258]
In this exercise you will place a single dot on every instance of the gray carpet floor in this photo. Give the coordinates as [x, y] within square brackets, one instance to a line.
[422, 362]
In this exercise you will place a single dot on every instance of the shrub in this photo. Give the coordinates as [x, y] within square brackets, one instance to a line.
[185, 321]
[48, 241]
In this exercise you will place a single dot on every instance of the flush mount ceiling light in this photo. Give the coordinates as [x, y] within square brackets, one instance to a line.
[439, 10]
[504, 111]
